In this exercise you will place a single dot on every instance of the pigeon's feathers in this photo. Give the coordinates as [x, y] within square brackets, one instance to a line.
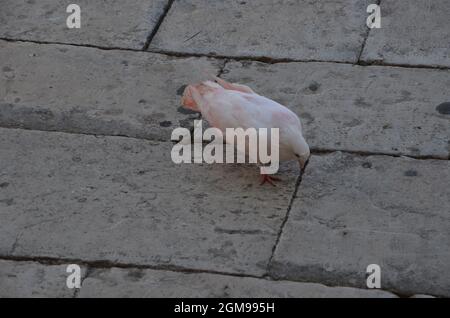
[229, 105]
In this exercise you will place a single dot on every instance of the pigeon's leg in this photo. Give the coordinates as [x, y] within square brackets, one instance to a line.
[233, 86]
[269, 179]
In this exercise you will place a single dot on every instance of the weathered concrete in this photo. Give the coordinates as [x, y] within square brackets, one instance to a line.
[377, 109]
[30, 279]
[87, 90]
[353, 211]
[412, 32]
[150, 283]
[306, 30]
[110, 23]
[123, 200]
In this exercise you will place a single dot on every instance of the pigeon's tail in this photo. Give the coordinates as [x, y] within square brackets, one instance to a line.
[193, 96]
[188, 100]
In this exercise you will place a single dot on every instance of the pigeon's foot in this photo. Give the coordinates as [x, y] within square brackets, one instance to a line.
[269, 179]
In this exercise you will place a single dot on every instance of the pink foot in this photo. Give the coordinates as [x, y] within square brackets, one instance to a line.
[267, 178]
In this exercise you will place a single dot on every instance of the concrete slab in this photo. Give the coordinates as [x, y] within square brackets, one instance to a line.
[353, 211]
[31, 279]
[123, 200]
[151, 283]
[110, 23]
[281, 29]
[389, 110]
[92, 91]
[412, 33]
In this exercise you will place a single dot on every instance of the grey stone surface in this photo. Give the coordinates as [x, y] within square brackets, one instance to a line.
[123, 200]
[353, 211]
[307, 30]
[107, 23]
[390, 110]
[413, 32]
[151, 283]
[120, 202]
[31, 279]
[87, 90]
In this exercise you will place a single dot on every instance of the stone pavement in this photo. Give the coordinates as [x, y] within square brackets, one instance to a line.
[86, 176]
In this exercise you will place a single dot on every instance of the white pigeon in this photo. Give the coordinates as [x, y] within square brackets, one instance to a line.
[231, 105]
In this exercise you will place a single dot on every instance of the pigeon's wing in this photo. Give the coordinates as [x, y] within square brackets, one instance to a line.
[234, 86]
[233, 109]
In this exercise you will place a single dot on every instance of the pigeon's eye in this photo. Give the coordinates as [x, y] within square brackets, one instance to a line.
[298, 156]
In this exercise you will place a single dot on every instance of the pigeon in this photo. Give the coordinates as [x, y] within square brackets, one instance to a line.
[232, 105]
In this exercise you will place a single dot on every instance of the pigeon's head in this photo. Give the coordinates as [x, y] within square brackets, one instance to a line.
[301, 151]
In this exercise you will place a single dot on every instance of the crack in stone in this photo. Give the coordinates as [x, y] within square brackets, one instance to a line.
[363, 46]
[77, 291]
[16, 242]
[361, 153]
[239, 231]
[283, 223]
[91, 266]
[105, 264]
[85, 45]
[222, 69]
[314, 151]
[158, 24]
[261, 59]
